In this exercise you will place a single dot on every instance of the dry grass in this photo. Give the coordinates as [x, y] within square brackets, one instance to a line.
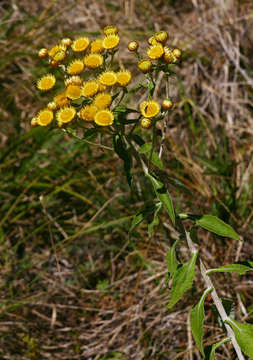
[73, 285]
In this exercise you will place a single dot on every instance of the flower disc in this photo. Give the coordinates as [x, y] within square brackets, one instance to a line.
[104, 117]
[90, 88]
[110, 29]
[155, 51]
[93, 61]
[75, 67]
[65, 114]
[96, 46]
[46, 83]
[108, 78]
[80, 44]
[123, 77]
[149, 108]
[103, 100]
[88, 112]
[45, 117]
[73, 92]
[110, 41]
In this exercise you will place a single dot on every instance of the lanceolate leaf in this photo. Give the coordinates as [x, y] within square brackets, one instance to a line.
[216, 225]
[237, 267]
[140, 216]
[155, 221]
[146, 149]
[124, 154]
[163, 196]
[244, 335]
[197, 319]
[211, 355]
[171, 259]
[182, 280]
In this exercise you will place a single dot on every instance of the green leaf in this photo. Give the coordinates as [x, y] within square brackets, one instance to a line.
[155, 221]
[244, 335]
[140, 216]
[229, 307]
[182, 280]
[211, 354]
[216, 225]
[239, 268]
[171, 259]
[125, 155]
[146, 149]
[163, 195]
[197, 315]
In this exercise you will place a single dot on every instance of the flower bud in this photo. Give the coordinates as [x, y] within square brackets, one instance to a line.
[66, 42]
[167, 104]
[146, 123]
[133, 45]
[161, 36]
[177, 53]
[42, 53]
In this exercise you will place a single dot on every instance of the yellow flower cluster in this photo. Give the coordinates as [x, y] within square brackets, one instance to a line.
[156, 51]
[89, 83]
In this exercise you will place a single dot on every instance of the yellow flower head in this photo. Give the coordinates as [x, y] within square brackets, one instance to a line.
[45, 117]
[123, 77]
[80, 44]
[66, 42]
[47, 82]
[53, 50]
[108, 78]
[145, 65]
[133, 45]
[110, 41]
[60, 55]
[155, 51]
[146, 123]
[42, 53]
[88, 112]
[93, 61]
[75, 67]
[90, 88]
[110, 29]
[65, 115]
[52, 105]
[102, 100]
[168, 56]
[104, 117]
[149, 108]
[61, 100]
[73, 92]
[96, 46]
[73, 80]
[167, 104]
[161, 36]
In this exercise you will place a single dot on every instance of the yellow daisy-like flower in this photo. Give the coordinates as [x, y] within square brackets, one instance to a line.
[88, 112]
[75, 67]
[161, 36]
[42, 53]
[65, 115]
[93, 61]
[61, 100]
[110, 29]
[124, 77]
[108, 78]
[90, 88]
[149, 108]
[73, 92]
[103, 101]
[53, 50]
[45, 117]
[60, 55]
[110, 41]
[80, 44]
[104, 117]
[73, 80]
[47, 82]
[96, 46]
[145, 65]
[155, 51]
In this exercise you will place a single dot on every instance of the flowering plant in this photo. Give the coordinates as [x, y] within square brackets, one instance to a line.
[92, 97]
